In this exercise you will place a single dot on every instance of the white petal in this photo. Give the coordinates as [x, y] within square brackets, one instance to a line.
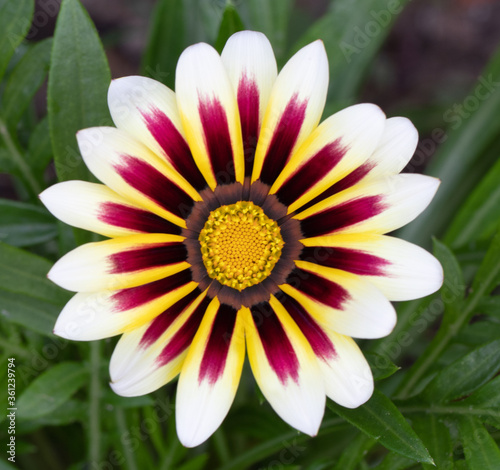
[400, 270]
[95, 315]
[132, 170]
[209, 114]
[395, 149]
[290, 378]
[94, 207]
[348, 377]
[204, 396]
[117, 263]
[148, 357]
[334, 149]
[294, 110]
[341, 301]
[147, 111]
[391, 203]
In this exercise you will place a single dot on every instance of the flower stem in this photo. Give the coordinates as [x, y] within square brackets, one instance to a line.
[18, 159]
[94, 406]
[121, 424]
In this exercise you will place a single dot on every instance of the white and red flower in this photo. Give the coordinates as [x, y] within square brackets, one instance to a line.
[238, 222]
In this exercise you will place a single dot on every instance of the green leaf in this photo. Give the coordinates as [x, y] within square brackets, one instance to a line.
[24, 81]
[488, 274]
[381, 366]
[486, 401]
[481, 451]
[490, 306]
[15, 21]
[39, 152]
[352, 455]
[352, 31]
[196, 463]
[479, 216]
[24, 224]
[395, 462]
[231, 23]
[271, 18]
[453, 290]
[51, 389]
[177, 24]
[478, 333]
[436, 437]
[465, 375]
[379, 418]
[27, 297]
[77, 88]
[461, 160]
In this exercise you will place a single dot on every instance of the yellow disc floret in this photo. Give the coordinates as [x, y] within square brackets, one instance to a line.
[240, 245]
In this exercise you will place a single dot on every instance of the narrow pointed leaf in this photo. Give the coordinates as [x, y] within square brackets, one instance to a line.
[488, 275]
[24, 224]
[465, 375]
[436, 436]
[77, 88]
[231, 23]
[24, 81]
[15, 22]
[479, 216]
[481, 451]
[51, 389]
[379, 418]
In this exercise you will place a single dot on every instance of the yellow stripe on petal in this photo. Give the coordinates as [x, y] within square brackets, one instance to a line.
[95, 315]
[97, 208]
[150, 356]
[209, 115]
[284, 366]
[120, 263]
[341, 301]
[401, 270]
[294, 110]
[334, 149]
[210, 374]
[377, 206]
[135, 172]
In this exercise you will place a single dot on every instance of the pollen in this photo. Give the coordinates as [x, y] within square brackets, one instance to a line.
[240, 245]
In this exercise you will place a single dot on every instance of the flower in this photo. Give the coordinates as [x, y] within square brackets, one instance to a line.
[236, 223]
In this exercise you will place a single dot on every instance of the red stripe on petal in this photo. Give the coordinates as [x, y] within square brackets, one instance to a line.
[315, 335]
[318, 288]
[277, 347]
[131, 218]
[348, 181]
[175, 146]
[184, 337]
[313, 171]
[248, 105]
[342, 216]
[133, 297]
[214, 360]
[283, 140]
[160, 324]
[149, 181]
[147, 257]
[217, 139]
[347, 259]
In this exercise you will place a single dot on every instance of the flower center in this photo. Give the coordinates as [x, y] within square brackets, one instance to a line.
[240, 245]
